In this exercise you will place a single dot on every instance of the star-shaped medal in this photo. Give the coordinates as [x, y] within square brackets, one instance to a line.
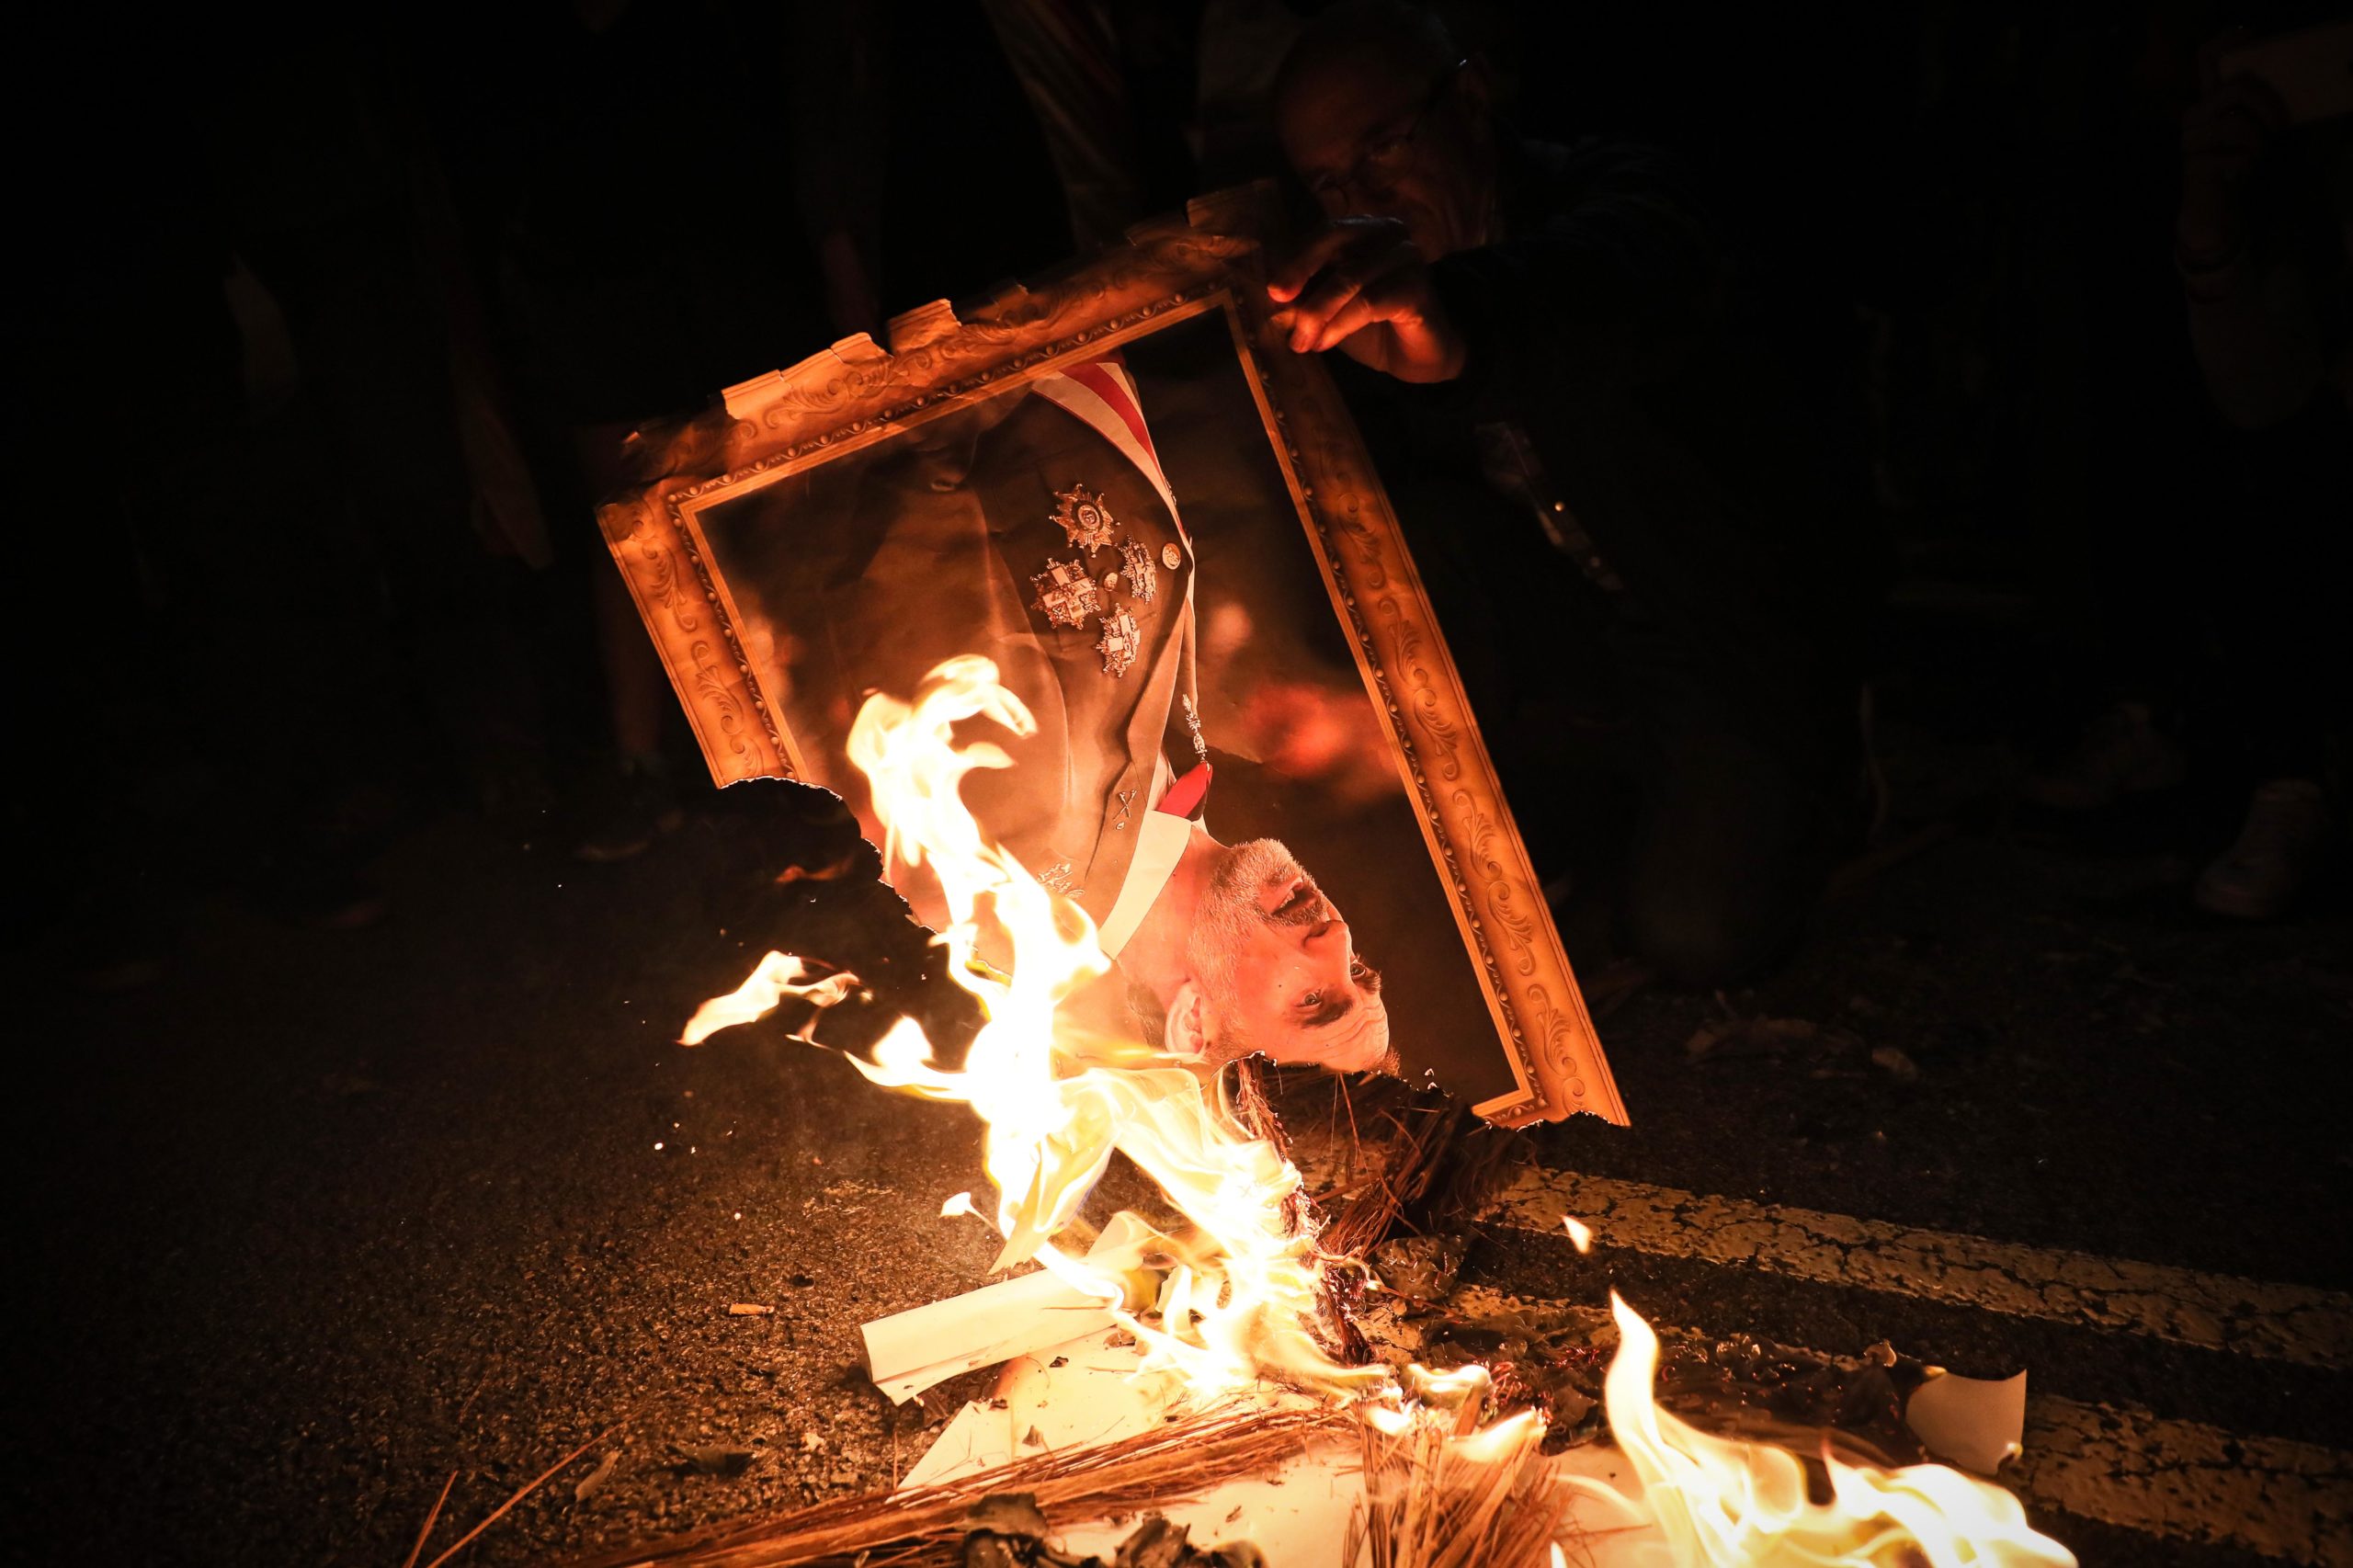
[1084, 519]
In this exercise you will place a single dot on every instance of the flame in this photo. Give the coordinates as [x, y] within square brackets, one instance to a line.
[1235, 1298]
[1236, 1295]
[776, 977]
[1731, 1504]
[1437, 1497]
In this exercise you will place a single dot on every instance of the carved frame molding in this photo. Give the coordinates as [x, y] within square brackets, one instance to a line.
[857, 392]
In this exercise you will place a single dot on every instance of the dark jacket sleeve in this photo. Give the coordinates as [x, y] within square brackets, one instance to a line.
[1605, 275]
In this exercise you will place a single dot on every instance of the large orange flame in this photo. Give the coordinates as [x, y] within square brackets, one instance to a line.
[1731, 1505]
[1235, 1298]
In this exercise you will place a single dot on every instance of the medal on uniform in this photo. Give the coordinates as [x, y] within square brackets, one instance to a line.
[1084, 520]
[1144, 578]
[1067, 594]
[1118, 645]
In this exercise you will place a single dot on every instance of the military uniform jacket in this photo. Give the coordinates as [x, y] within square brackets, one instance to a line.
[1038, 531]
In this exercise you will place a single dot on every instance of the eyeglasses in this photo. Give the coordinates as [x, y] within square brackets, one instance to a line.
[1385, 153]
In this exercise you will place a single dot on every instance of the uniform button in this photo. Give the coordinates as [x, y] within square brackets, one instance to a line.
[1110, 582]
[1171, 557]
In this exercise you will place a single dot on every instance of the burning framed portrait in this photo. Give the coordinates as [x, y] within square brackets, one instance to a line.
[1235, 740]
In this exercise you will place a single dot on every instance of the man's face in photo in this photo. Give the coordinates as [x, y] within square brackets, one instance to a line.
[1278, 970]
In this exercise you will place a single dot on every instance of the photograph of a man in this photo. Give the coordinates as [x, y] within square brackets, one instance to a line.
[1038, 530]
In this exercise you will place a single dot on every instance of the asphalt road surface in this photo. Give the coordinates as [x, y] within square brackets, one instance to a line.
[322, 1218]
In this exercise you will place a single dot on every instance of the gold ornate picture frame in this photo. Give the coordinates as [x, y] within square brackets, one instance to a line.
[788, 435]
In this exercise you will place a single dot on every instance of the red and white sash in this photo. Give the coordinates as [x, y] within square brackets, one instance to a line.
[1102, 395]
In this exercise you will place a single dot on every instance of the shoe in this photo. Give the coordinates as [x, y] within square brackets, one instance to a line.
[2122, 753]
[2277, 851]
[638, 807]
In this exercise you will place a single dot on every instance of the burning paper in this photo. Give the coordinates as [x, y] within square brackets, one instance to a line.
[1733, 1504]
[1237, 1297]
[777, 977]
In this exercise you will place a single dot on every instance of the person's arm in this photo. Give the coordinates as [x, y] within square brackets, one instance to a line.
[1602, 292]
[1608, 286]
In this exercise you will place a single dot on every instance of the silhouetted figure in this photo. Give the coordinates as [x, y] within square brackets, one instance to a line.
[1602, 477]
[2264, 238]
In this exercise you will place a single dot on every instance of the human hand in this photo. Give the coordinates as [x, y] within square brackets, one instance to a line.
[1361, 285]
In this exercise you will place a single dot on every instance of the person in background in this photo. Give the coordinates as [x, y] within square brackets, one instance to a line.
[336, 205]
[2264, 240]
[569, 125]
[1637, 558]
[563, 128]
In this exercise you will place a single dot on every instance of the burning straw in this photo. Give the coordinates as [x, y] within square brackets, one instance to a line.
[1434, 1499]
[926, 1525]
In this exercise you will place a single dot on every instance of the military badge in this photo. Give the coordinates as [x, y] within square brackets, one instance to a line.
[1171, 557]
[1193, 726]
[1067, 594]
[1119, 642]
[1083, 517]
[1144, 578]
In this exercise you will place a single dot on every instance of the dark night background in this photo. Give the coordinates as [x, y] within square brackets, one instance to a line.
[360, 872]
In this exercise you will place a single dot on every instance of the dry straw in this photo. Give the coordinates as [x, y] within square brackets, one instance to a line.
[1435, 1500]
[1180, 1459]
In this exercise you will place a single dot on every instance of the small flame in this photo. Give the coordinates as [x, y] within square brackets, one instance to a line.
[1497, 1440]
[777, 976]
[1731, 1505]
[1237, 1295]
[1580, 1234]
[1450, 1385]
